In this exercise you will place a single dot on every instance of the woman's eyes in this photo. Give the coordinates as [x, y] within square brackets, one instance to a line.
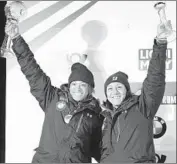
[83, 85]
[118, 87]
[109, 89]
[73, 84]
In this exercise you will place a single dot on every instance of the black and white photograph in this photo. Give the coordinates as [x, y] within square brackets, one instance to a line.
[88, 82]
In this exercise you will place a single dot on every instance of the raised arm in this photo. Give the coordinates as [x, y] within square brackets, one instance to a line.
[154, 85]
[40, 83]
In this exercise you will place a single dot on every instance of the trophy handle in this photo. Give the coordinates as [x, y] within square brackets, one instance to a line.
[160, 6]
[6, 47]
[162, 16]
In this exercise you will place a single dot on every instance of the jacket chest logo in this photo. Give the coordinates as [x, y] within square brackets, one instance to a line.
[67, 118]
[61, 105]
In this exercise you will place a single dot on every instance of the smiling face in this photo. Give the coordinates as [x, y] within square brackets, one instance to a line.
[79, 90]
[116, 93]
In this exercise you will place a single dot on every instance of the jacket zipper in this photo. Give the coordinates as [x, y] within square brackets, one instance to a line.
[79, 124]
[118, 129]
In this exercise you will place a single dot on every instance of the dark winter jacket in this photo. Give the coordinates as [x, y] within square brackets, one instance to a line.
[61, 142]
[128, 131]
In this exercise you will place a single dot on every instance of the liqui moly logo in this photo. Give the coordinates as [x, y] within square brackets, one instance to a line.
[146, 54]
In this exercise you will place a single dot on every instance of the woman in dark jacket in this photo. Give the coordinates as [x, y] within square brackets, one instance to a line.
[128, 119]
[72, 127]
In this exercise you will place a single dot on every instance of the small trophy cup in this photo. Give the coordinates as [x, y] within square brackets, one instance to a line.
[169, 33]
[14, 11]
[76, 57]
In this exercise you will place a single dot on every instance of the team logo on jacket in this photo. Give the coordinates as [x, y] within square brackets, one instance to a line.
[61, 105]
[67, 118]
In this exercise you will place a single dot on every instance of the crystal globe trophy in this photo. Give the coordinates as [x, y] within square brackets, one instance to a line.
[168, 32]
[14, 11]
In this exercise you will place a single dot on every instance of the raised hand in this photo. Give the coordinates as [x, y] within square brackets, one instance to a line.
[12, 29]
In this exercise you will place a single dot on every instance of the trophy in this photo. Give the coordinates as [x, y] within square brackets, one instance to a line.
[76, 57]
[14, 11]
[169, 34]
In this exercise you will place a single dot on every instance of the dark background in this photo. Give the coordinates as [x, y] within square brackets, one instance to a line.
[2, 85]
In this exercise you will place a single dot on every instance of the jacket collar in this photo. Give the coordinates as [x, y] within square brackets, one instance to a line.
[125, 106]
[127, 103]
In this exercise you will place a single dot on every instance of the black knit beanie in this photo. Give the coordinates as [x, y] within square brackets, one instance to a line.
[120, 77]
[80, 72]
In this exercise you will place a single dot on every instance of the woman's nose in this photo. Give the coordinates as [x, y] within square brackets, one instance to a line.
[78, 87]
[115, 91]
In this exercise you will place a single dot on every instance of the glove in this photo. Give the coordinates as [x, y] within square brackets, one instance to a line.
[12, 29]
[163, 30]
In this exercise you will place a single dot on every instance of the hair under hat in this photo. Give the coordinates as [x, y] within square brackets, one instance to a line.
[120, 77]
[80, 72]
